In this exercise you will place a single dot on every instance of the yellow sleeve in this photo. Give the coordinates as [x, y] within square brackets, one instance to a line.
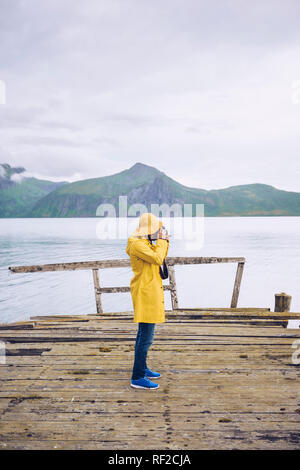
[156, 256]
[167, 247]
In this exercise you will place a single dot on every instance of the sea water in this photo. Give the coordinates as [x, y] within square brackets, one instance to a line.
[271, 246]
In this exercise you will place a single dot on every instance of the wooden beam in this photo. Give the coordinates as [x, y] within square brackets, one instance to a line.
[172, 286]
[113, 290]
[201, 260]
[237, 284]
[116, 263]
[282, 302]
[97, 291]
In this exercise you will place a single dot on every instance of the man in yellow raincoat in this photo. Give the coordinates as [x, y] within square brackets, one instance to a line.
[147, 292]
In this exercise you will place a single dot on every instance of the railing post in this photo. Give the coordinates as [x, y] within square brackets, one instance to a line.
[97, 293]
[237, 284]
[282, 302]
[173, 291]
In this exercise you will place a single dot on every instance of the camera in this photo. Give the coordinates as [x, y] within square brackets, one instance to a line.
[154, 236]
[164, 231]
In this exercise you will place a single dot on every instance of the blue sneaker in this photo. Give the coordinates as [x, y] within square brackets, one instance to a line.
[154, 375]
[144, 383]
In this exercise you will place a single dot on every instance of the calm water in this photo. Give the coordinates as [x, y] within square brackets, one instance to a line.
[271, 246]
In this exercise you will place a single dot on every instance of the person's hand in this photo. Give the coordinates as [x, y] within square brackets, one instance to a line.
[162, 235]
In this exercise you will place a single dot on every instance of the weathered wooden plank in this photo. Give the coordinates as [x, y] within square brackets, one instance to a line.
[237, 284]
[17, 326]
[188, 440]
[97, 290]
[135, 431]
[197, 313]
[173, 288]
[282, 302]
[222, 309]
[107, 401]
[55, 406]
[187, 331]
[172, 260]
[113, 290]
[117, 263]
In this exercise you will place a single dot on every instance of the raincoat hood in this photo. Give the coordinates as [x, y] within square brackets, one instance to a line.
[148, 224]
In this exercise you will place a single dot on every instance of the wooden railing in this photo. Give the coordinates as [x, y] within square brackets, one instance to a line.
[124, 263]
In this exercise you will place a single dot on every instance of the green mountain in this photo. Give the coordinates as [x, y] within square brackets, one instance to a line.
[146, 185]
[141, 184]
[18, 193]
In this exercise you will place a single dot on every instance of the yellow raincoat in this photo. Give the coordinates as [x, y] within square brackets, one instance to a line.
[146, 285]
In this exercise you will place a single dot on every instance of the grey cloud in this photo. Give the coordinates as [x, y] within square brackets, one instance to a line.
[59, 125]
[47, 141]
[139, 120]
[13, 117]
[210, 128]
[107, 141]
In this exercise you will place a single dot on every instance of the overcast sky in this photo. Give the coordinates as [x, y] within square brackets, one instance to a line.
[206, 91]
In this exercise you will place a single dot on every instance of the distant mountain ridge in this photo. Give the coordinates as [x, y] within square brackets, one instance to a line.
[18, 193]
[141, 184]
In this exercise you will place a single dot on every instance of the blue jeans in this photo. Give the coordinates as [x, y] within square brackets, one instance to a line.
[144, 339]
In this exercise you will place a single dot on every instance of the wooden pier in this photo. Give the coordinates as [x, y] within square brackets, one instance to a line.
[228, 382]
